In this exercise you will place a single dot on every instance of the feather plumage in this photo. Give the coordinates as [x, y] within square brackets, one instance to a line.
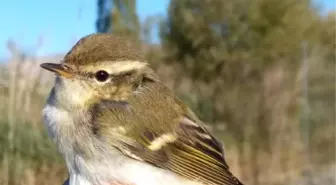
[178, 142]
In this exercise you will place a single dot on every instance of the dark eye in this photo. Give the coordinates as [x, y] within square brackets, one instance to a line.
[102, 76]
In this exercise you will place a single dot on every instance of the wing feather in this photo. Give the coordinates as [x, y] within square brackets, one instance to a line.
[195, 154]
[181, 144]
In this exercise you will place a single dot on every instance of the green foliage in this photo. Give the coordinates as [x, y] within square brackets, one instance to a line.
[326, 36]
[206, 37]
[118, 17]
[248, 60]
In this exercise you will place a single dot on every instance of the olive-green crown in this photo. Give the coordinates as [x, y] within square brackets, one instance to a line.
[103, 47]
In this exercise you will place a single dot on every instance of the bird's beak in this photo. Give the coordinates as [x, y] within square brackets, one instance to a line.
[59, 69]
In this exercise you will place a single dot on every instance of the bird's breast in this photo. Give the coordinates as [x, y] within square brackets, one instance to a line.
[125, 171]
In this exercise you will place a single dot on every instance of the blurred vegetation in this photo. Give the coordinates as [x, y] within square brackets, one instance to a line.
[260, 73]
[27, 155]
[118, 16]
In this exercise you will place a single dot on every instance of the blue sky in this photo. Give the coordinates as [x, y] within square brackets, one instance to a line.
[62, 22]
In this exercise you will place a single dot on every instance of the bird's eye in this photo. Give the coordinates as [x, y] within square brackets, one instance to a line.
[102, 76]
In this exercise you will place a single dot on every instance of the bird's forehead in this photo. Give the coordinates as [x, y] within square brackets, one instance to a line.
[97, 48]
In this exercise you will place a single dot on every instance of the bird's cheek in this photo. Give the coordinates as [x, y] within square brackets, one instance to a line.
[105, 94]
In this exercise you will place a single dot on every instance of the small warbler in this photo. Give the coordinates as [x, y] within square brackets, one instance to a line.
[115, 122]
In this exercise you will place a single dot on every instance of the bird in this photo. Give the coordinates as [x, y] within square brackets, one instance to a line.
[115, 122]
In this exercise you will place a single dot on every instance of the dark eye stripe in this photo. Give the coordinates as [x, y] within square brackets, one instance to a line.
[87, 74]
[123, 74]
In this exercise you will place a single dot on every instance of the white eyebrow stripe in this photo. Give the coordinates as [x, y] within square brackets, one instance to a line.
[117, 67]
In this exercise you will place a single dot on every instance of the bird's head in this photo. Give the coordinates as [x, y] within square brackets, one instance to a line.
[98, 67]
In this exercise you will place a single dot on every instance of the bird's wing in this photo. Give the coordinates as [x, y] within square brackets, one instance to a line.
[190, 151]
[180, 143]
[187, 149]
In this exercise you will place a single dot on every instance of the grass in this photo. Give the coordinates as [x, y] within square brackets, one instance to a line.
[29, 155]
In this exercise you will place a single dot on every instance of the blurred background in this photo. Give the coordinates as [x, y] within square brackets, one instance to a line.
[260, 73]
